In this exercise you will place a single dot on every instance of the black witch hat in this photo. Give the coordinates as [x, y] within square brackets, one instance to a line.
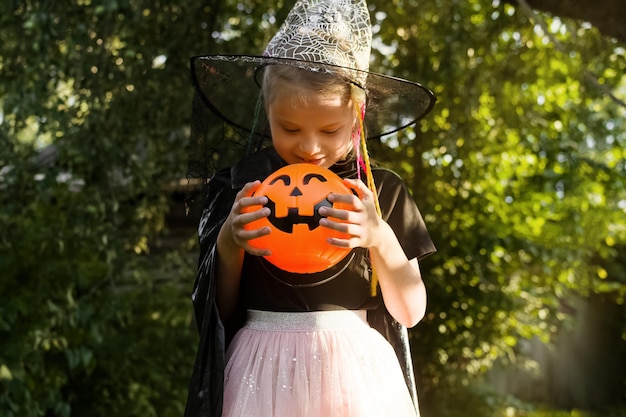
[329, 36]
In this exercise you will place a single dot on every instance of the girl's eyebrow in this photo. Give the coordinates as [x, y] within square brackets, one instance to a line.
[333, 125]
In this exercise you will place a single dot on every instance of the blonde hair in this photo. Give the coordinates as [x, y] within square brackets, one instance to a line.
[279, 80]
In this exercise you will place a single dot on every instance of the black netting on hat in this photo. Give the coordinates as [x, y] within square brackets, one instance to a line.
[216, 144]
[230, 86]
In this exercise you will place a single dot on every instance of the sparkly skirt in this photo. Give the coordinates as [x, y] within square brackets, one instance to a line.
[318, 364]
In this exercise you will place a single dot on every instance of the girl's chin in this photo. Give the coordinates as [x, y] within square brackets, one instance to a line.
[318, 162]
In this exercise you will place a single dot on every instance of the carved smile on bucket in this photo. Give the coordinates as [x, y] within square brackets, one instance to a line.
[285, 224]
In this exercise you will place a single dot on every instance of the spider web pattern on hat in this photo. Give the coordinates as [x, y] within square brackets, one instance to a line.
[326, 32]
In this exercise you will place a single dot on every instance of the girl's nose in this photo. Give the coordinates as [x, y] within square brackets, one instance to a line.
[309, 145]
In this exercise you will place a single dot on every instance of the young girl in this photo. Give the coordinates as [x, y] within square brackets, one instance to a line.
[324, 348]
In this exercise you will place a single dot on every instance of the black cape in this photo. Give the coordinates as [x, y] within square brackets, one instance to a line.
[207, 381]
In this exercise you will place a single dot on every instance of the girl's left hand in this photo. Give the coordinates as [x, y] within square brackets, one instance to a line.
[361, 221]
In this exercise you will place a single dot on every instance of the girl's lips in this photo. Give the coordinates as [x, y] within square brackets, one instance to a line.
[312, 161]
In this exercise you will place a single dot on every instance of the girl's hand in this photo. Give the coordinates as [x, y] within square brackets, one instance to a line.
[400, 280]
[233, 227]
[361, 221]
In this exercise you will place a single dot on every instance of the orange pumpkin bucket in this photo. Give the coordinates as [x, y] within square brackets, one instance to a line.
[298, 243]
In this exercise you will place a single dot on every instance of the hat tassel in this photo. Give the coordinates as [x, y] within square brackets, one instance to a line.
[363, 163]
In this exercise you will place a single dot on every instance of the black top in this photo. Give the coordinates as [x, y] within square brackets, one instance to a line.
[347, 284]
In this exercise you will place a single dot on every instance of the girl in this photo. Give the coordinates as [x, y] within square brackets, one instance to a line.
[320, 349]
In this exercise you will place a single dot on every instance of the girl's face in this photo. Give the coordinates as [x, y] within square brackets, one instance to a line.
[316, 131]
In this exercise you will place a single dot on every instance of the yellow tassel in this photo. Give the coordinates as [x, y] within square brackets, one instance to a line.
[371, 185]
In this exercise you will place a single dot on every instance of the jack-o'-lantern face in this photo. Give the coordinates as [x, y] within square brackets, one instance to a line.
[298, 203]
[295, 194]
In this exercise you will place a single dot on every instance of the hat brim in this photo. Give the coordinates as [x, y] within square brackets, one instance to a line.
[230, 86]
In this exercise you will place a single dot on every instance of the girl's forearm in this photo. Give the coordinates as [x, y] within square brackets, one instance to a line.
[403, 290]
[228, 274]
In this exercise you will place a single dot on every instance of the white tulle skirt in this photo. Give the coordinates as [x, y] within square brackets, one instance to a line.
[319, 364]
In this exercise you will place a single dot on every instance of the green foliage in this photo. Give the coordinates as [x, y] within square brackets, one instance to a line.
[84, 325]
[509, 412]
[86, 328]
[519, 171]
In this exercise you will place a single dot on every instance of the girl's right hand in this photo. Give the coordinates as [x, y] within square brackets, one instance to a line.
[239, 217]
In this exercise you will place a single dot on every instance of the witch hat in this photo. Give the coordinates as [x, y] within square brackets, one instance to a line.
[330, 36]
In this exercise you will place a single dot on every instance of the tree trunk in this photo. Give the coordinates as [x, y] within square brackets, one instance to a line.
[609, 16]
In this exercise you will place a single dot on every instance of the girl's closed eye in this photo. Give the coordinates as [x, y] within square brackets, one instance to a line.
[332, 130]
[290, 129]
